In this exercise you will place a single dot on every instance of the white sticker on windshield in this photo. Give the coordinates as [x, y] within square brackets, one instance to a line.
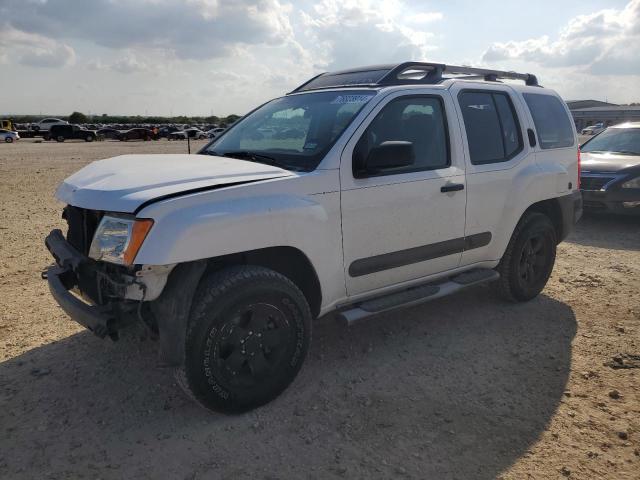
[340, 99]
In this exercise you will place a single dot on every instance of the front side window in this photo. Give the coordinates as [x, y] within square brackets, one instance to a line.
[551, 120]
[419, 120]
[293, 132]
[493, 131]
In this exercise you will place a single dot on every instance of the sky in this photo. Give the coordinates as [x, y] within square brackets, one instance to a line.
[203, 57]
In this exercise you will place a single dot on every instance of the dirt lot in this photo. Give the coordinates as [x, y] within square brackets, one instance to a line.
[467, 387]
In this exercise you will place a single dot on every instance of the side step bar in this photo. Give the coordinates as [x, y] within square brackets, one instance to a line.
[417, 295]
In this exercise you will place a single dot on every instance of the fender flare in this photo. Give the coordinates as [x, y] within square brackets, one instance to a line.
[171, 311]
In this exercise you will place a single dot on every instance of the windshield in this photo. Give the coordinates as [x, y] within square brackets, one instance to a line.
[618, 140]
[293, 132]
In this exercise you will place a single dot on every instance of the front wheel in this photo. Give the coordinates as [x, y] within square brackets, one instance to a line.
[89, 138]
[60, 138]
[529, 258]
[248, 334]
[8, 139]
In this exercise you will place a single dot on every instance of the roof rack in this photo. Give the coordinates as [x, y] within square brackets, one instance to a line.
[408, 73]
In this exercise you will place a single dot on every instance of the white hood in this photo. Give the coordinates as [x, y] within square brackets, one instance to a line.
[122, 184]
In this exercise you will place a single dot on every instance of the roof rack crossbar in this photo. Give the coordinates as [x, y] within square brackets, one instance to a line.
[411, 73]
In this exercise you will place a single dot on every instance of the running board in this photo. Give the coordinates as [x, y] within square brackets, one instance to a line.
[417, 295]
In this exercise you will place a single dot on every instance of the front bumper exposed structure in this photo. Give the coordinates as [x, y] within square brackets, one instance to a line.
[103, 316]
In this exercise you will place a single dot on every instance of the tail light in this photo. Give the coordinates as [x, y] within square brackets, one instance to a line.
[579, 168]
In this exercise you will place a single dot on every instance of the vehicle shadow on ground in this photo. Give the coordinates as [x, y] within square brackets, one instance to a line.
[616, 232]
[459, 388]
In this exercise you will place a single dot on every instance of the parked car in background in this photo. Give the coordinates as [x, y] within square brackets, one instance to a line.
[138, 134]
[165, 131]
[214, 132]
[45, 124]
[593, 129]
[108, 133]
[8, 136]
[60, 133]
[610, 170]
[192, 132]
[177, 135]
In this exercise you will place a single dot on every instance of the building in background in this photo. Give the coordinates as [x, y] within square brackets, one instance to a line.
[590, 112]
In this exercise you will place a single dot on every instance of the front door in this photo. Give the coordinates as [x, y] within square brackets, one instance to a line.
[406, 222]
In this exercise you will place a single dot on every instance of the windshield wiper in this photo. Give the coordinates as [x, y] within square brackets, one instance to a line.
[259, 158]
[619, 152]
[625, 152]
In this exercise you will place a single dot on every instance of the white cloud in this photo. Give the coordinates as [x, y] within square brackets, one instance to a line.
[425, 17]
[359, 32]
[32, 49]
[604, 42]
[188, 29]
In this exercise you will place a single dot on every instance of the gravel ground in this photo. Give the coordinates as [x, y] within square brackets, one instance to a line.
[466, 387]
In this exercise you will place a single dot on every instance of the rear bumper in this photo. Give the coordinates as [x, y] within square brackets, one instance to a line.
[619, 201]
[571, 210]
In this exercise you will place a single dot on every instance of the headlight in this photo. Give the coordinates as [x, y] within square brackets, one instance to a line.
[118, 239]
[633, 183]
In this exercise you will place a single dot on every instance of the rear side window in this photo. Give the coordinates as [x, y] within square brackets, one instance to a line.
[493, 131]
[550, 118]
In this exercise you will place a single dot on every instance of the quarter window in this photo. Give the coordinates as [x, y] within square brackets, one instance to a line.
[419, 120]
[550, 118]
[493, 131]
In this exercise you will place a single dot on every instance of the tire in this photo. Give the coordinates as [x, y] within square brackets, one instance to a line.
[59, 138]
[46, 137]
[89, 138]
[8, 139]
[528, 261]
[248, 335]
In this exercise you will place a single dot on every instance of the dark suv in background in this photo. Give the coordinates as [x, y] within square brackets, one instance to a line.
[61, 133]
[610, 173]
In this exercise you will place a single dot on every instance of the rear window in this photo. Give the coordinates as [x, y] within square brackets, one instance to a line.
[552, 123]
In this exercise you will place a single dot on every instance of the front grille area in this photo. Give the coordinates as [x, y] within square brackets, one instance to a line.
[82, 225]
[594, 183]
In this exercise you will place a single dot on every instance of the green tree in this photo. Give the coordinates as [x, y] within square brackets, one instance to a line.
[77, 117]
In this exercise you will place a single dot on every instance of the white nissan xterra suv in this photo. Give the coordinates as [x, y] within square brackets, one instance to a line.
[359, 192]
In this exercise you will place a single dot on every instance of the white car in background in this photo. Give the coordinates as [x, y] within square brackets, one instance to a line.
[214, 132]
[593, 129]
[8, 136]
[45, 124]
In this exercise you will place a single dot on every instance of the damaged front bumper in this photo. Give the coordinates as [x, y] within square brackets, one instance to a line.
[112, 295]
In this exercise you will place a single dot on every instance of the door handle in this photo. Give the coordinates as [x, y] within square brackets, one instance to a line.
[452, 187]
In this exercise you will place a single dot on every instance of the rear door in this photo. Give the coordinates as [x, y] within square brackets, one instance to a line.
[404, 223]
[494, 132]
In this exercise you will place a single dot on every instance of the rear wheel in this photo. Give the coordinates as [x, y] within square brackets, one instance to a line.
[248, 334]
[89, 138]
[529, 258]
[59, 138]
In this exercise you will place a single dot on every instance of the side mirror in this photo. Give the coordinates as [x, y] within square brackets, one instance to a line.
[390, 154]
